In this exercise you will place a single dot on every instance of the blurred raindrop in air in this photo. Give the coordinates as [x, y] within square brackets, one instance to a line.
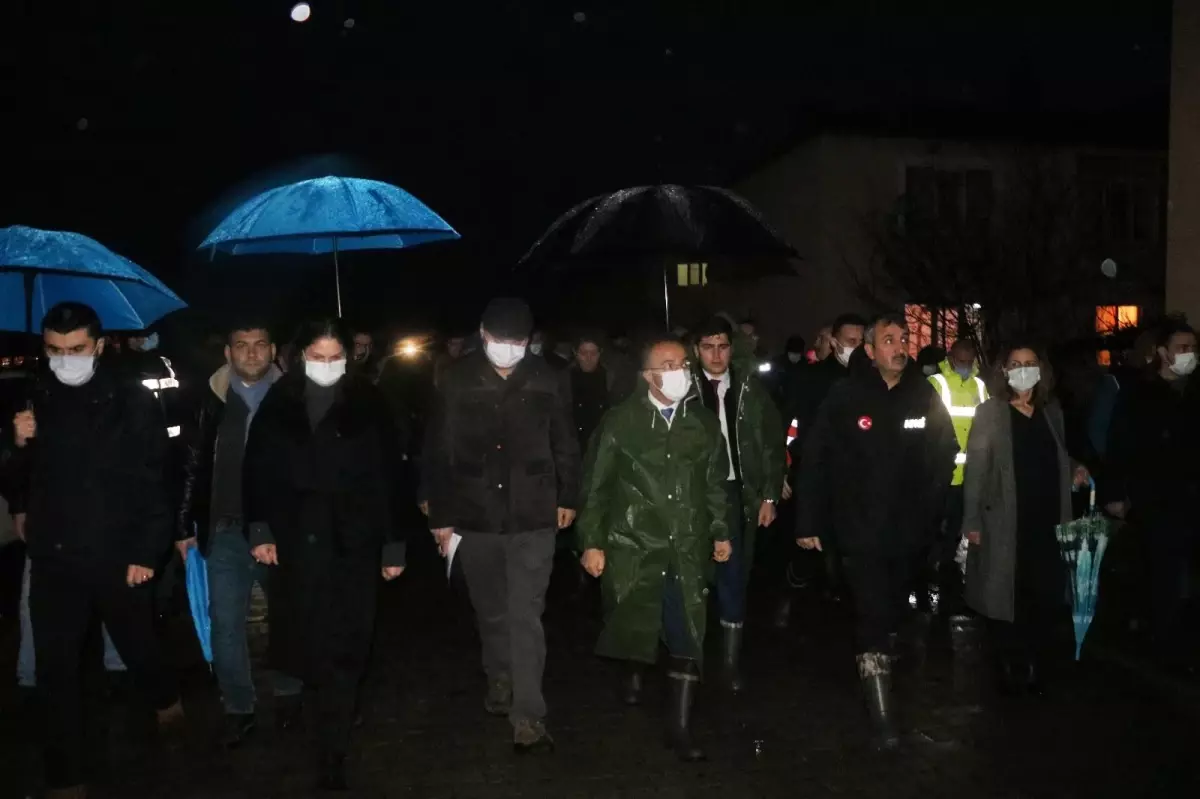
[301, 12]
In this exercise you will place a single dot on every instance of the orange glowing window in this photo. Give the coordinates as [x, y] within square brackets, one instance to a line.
[1109, 320]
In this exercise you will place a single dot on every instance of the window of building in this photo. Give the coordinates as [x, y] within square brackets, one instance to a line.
[1111, 319]
[691, 274]
[958, 196]
[930, 327]
[1128, 212]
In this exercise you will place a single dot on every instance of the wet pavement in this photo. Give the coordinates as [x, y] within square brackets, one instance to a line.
[797, 732]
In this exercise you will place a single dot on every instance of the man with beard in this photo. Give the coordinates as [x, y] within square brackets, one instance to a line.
[211, 521]
[872, 478]
[502, 471]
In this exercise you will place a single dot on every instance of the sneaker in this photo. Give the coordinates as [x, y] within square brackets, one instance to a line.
[236, 728]
[531, 737]
[499, 697]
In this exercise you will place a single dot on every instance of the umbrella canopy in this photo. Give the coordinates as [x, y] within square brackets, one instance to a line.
[653, 221]
[196, 577]
[1083, 543]
[325, 215]
[41, 268]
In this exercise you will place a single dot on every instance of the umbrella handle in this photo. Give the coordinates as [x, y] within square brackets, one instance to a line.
[1091, 494]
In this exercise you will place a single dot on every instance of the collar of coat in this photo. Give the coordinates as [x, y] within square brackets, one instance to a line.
[356, 404]
[218, 383]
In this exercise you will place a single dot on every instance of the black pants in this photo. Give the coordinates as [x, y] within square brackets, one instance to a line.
[879, 590]
[1173, 539]
[949, 575]
[67, 603]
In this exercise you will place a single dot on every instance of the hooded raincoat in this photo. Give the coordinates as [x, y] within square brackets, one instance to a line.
[655, 503]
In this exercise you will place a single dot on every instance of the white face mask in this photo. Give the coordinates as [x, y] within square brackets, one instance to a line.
[1185, 364]
[1024, 378]
[676, 384]
[73, 370]
[504, 356]
[843, 353]
[795, 357]
[325, 374]
[536, 348]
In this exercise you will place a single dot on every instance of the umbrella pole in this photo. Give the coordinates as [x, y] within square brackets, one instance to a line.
[666, 299]
[337, 277]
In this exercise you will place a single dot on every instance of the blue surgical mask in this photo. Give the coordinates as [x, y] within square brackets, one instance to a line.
[963, 371]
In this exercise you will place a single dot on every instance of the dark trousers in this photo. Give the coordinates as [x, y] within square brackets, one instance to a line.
[676, 633]
[1172, 539]
[879, 589]
[67, 603]
[731, 575]
[950, 577]
[507, 576]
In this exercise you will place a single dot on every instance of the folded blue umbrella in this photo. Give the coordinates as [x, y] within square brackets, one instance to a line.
[41, 268]
[326, 216]
[196, 568]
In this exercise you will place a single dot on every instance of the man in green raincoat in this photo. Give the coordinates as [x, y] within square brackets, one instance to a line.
[655, 512]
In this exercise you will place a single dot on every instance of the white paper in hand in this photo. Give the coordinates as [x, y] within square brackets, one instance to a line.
[455, 539]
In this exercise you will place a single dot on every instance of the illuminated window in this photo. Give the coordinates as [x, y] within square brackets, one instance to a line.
[1111, 319]
[930, 327]
[691, 274]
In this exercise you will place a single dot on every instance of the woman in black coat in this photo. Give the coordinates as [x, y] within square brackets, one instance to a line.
[324, 506]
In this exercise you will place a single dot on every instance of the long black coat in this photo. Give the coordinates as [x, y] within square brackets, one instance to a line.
[333, 502]
[875, 465]
[501, 455]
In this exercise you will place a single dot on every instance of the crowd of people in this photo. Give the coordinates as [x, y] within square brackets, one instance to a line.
[669, 471]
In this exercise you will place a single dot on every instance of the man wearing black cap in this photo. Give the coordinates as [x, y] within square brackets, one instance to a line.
[502, 471]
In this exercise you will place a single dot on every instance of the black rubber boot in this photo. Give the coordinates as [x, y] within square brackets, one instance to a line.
[683, 677]
[783, 612]
[875, 674]
[631, 684]
[333, 772]
[731, 656]
[289, 713]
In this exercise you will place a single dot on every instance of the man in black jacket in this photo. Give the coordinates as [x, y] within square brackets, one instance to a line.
[211, 519]
[875, 465]
[502, 471]
[92, 449]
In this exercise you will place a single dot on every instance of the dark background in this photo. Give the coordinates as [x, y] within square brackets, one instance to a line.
[501, 115]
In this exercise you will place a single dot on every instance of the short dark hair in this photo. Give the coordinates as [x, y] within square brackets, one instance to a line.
[964, 342]
[657, 340]
[713, 326]
[795, 344]
[1043, 392]
[589, 337]
[882, 320]
[247, 324]
[1172, 326]
[67, 317]
[508, 317]
[323, 327]
[844, 320]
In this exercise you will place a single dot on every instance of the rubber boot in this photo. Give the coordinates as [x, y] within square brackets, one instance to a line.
[731, 656]
[783, 612]
[683, 677]
[333, 772]
[875, 674]
[631, 685]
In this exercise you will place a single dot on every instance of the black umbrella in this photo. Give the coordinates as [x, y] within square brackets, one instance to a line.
[644, 225]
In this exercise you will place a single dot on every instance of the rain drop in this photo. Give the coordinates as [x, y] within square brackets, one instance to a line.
[1108, 267]
[301, 12]
[349, 23]
[82, 124]
[579, 16]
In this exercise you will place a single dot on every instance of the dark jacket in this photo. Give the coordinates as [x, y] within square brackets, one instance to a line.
[875, 465]
[92, 480]
[804, 392]
[336, 491]
[501, 455]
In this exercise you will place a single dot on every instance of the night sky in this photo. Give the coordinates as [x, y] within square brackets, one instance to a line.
[500, 115]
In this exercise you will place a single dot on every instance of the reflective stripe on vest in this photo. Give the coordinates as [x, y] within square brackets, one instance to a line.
[947, 400]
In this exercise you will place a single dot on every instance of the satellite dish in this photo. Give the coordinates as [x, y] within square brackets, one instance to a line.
[1108, 267]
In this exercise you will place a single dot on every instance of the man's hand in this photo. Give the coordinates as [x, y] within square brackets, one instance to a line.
[787, 490]
[566, 517]
[183, 547]
[722, 551]
[809, 543]
[1117, 509]
[24, 427]
[974, 537]
[766, 514]
[392, 572]
[442, 536]
[266, 554]
[424, 506]
[137, 575]
[593, 561]
[19, 525]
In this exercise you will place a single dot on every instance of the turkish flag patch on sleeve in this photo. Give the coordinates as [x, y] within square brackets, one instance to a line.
[864, 423]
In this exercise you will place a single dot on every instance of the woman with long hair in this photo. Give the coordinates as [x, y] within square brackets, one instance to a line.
[1017, 489]
[324, 507]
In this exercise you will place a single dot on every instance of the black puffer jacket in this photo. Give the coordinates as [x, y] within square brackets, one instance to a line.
[501, 455]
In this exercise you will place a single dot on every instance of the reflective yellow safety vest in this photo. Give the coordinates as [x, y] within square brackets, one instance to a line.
[961, 398]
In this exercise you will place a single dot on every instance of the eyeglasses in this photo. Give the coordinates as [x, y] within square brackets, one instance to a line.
[670, 366]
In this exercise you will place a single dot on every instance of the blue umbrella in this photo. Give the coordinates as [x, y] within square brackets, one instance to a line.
[41, 268]
[197, 591]
[328, 215]
[1083, 543]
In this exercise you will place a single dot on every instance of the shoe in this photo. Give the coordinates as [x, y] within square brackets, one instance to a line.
[683, 677]
[289, 713]
[171, 723]
[731, 653]
[74, 792]
[499, 697]
[1035, 685]
[236, 728]
[783, 614]
[531, 738]
[875, 675]
[631, 686]
[333, 772]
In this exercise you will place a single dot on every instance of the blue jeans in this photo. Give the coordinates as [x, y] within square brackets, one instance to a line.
[676, 633]
[27, 663]
[232, 572]
[731, 575]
